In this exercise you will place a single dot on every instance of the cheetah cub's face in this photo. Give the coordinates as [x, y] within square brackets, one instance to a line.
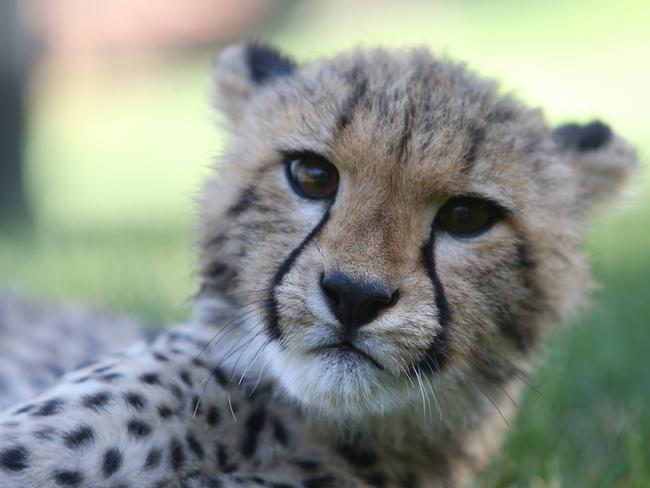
[386, 218]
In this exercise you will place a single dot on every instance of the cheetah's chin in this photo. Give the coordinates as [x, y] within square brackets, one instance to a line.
[338, 382]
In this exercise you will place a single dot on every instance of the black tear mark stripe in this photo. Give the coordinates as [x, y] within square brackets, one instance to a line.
[273, 327]
[435, 357]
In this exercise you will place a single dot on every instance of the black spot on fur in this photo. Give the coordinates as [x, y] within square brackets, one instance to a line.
[176, 391]
[585, 137]
[515, 330]
[14, 458]
[307, 464]
[185, 377]
[378, 480]
[68, 478]
[523, 257]
[25, 409]
[408, 481]
[356, 79]
[103, 369]
[112, 461]
[212, 416]
[138, 429]
[223, 460]
[212, 483]
[361, 458]
[79, 437]
[111, 377]
[219, 277]
[280, 432]
[96, 401]
[220, 376]
[320, 482]
[45, 433]
[246, 199]
[252, 429]
[165, 412]
[150, 379]
[135, 400]
[273, 327]
[196, 405]
[195, 446]
[176, 455]
[476, 138]
[266, 63]
[160, 357]
[49, 407]
[153, 459]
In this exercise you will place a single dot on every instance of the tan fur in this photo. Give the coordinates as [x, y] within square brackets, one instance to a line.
[406, 131]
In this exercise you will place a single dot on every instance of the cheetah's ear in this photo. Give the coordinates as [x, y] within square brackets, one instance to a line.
[602, 160]
[241, 69]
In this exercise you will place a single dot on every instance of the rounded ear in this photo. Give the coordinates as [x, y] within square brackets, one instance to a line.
[240, 69]
[602, 161]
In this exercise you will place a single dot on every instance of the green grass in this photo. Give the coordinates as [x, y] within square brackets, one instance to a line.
[114, 163]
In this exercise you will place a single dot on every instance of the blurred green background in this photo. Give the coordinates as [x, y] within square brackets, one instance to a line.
[119, 142]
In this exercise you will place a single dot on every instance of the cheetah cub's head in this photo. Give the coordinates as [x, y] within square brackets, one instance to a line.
[386, 218]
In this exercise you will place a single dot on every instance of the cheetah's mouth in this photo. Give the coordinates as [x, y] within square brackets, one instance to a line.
[347, 348]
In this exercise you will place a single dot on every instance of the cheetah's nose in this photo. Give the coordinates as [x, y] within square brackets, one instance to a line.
[355, 303]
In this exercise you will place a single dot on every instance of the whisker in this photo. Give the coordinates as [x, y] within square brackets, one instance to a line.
[261, 348]
[234, 367]
[486, 395]
[433, 393]
[232, 411]
[239, 320]
[424, 405]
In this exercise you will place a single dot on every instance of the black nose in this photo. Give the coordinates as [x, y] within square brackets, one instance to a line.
[355, 303]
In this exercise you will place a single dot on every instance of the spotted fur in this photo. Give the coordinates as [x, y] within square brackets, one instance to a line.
[255, 392]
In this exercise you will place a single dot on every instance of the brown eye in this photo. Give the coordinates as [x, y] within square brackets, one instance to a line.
[312, 176]
[468, 216]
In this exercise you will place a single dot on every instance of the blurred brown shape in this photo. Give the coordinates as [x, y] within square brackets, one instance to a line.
[87, 27]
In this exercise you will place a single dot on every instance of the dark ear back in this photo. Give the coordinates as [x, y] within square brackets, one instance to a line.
[602, 161]
[266, 62]
[241, 69]
[582, 138]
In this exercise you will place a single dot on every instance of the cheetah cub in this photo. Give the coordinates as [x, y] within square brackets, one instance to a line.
[385, 243]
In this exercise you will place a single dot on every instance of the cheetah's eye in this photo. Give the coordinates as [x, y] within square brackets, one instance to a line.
[312, 176]
[467, 216]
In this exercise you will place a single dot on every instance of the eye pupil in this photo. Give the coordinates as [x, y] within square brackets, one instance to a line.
[467, 216]
[313, 176]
